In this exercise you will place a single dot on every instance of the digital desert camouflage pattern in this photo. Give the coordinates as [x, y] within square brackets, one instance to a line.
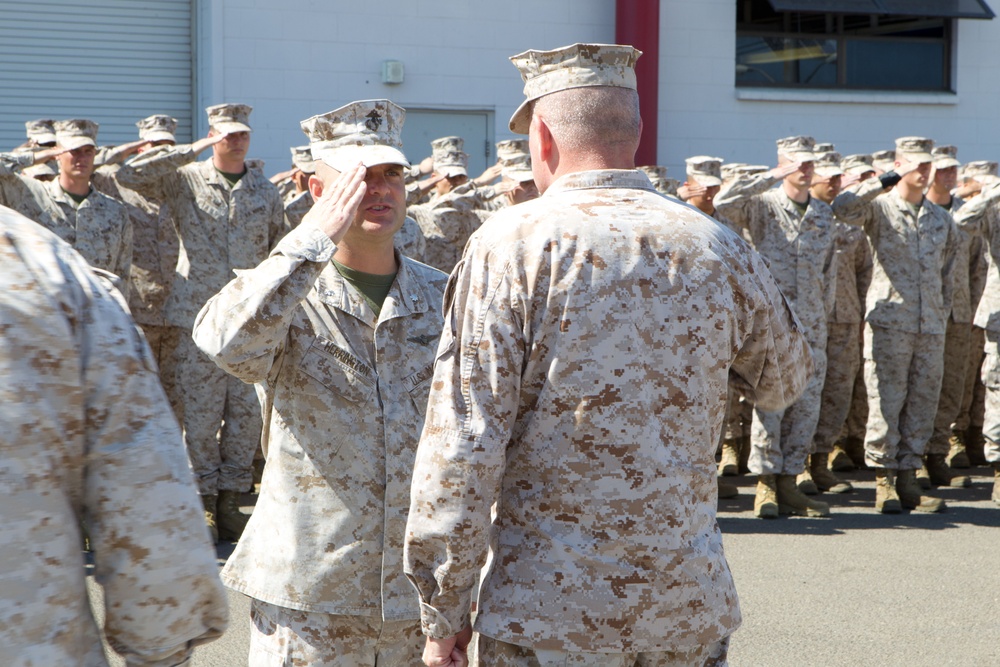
[410, 241]
[903, 380]
[958, 335]
[345, 393]
[296, 207]
[575, 388]
[448, 221]
[221, 228]
[501, 654]
[800, 249]
[280, 636]
[99, 228]
[88, 437]
[843, 342]
[154, 248]
[981, 216]
[574, 66]
[910, 289]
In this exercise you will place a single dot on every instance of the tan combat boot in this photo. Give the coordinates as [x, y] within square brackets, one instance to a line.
[231, 520]
[765, 503]
[806, 483]
[840, 460]
[211, 503]
[729, 462]
[957, 456]
[910, 496]
[941, 474]
[826, 480]
[792, 501]
[924, 478]
[886, 498]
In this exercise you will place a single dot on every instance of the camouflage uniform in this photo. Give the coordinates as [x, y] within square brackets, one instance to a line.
[982, 216]
[957, 340]
[800, 251]
[296, 207]
[88, 437]
[843, 343]
[154, 256]
[907, 309]
[345, 393]
[221, 228]
[98, 228]
[546, 378]
[448, 221]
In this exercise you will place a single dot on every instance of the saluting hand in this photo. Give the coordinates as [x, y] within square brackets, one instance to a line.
[336, 208]
[786, 169]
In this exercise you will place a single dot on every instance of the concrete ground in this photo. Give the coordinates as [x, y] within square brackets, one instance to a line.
[857, 588]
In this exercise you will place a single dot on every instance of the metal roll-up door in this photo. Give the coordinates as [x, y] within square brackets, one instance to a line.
[113, 61]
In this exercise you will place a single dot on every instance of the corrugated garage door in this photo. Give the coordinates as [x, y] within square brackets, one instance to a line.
[113, 61]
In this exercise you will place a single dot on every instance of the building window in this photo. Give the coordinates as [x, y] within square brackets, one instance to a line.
[827, 49]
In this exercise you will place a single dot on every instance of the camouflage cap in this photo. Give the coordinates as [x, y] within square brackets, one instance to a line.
[41, 131]
[980, 170]
[75, 133]
[729, 170]
[824, 148]
[914, 149]
[857, 164]
[945, 157]
[797, 149]
[302, 158]
[884, 160]
[656, 173]
[574, 66]
[158, 127]
[828, 164]
[704, 170]
[449, 158]
[367, 131]
[515, 160]
[229, 118]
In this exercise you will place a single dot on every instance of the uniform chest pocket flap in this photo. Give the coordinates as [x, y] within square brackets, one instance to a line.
[339, 371]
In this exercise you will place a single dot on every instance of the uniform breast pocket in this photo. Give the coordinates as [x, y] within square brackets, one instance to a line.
[419, 387]
[339, 371]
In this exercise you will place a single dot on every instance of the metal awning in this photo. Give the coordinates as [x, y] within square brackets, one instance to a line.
[955, 9]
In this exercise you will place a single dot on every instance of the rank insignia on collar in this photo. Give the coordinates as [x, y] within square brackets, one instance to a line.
[422, 339]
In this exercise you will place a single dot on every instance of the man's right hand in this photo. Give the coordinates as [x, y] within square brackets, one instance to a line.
[689, 189]
[205, 142]
[783, 170]
[335, 210]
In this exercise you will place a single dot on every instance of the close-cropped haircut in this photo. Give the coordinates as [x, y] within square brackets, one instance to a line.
[592, 117]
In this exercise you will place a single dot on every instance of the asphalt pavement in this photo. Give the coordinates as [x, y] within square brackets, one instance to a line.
[856, 588]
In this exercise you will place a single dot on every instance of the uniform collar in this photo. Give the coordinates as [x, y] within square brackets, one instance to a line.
[407, 296]
[601, 178]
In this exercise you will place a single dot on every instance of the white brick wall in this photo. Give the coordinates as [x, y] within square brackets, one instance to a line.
[291, 59]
